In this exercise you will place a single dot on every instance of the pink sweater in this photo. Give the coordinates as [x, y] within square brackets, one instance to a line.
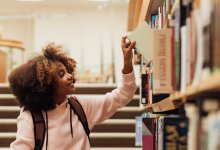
[97, 110]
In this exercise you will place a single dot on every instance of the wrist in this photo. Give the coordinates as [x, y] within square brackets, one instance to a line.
[128, 68]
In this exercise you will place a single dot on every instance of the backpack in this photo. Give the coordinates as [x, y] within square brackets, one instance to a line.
[40, 126]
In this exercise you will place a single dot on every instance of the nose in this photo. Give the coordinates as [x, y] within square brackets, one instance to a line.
[70, 76]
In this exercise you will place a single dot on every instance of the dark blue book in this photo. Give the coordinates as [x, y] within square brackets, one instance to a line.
[172, 133]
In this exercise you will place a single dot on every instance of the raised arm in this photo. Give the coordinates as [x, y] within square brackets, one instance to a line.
[98, 109]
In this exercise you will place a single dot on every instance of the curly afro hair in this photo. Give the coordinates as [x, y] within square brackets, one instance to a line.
[33, 83]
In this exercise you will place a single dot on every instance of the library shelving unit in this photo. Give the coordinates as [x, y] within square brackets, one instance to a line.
[140, 10]
[197, 101]
[208, 87]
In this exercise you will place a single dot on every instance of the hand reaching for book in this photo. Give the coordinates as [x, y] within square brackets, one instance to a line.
[127, 47]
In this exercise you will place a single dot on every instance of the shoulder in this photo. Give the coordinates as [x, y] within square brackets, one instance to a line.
[25, 117]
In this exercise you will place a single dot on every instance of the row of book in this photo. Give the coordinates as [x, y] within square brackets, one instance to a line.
[185, 50]
[162, 133]
[188, 131]
[146, 90]
[186, 46]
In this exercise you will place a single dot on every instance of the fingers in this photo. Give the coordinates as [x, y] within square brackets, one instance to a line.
[132, 45]
[123, 41]
[128, 43]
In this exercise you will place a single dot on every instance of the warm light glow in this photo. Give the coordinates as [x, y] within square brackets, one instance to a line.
[30, 0]
[98, 0]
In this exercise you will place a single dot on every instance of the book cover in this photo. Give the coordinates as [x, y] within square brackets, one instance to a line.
[192, 112]
[184, 60]
[144, 90]
[177, 49]
[143, 35]
[149, 133]
[162, 61]
[215, 36]
[138, 131]
[173, 133]
[214, 50]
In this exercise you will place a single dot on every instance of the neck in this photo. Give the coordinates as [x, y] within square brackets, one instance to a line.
[59, 99]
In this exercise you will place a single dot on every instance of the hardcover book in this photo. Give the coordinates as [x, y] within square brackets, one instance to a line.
[149, 133]
[172, 133]
[143, 35]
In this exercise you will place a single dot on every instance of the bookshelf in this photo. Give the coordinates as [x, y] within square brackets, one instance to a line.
[153, 8]
[209, 87]
[140, 10]
[194, 82]
[206, 88]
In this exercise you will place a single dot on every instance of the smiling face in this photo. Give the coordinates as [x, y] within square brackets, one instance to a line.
[64, 84]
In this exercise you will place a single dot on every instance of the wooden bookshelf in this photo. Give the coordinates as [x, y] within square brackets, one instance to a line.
[209, 87]
[134, 14]
[153, 6]
[198, 102]
[140, 10]
[164, 105]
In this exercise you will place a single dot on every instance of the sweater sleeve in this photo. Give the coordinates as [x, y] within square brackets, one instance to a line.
[25, 132]
[98, 109]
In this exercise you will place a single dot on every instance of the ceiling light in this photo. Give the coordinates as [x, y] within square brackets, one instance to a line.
[30, 0]
[98, 0]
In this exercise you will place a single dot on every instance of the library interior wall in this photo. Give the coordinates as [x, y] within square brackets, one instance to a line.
[82, 34]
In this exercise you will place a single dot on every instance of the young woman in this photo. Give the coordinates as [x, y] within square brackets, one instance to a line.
[44, 84]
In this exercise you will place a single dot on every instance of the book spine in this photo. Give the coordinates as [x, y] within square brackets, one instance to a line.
[175, 133]
[162, 61]
[177, 48]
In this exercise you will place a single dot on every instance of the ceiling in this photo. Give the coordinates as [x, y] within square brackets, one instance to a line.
[14, 7]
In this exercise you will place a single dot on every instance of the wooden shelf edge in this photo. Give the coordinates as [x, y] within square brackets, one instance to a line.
[143, 9]
[209, 84]
[152, 7]
[148, 11]
[164, 105]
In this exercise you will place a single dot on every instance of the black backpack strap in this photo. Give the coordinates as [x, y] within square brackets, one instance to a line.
[77, 108]
[39, 129]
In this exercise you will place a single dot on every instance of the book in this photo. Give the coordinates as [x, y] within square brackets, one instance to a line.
[138, 131]
[184, 60]
[215, 36]
[144, 84]
[192, 112]
[162, 61]
[149, 133]
[143, 35]
[177, 50]
[172, 132]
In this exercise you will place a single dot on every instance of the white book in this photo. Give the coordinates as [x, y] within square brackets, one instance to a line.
[199, 50]
[143, 35]
[192, 113]
[184, 69]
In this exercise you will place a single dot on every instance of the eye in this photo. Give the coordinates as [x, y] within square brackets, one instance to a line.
[61, 73]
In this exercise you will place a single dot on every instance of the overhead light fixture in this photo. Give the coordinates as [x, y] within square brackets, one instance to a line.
[98, 0]
[30, 0]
